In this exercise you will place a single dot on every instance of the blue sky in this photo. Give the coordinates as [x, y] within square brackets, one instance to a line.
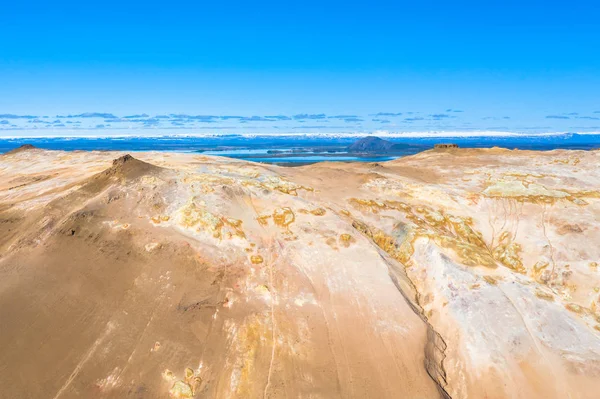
[512, 65]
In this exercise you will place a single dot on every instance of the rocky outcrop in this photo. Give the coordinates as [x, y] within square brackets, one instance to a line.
[444, 146]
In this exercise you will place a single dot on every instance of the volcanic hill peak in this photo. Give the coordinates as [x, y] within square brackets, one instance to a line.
[24, 147]
[130, 167]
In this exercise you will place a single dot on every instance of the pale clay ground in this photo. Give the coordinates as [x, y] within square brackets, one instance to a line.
[452, 273]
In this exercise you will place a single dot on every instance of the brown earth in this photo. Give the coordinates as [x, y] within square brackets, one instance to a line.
[463, 274]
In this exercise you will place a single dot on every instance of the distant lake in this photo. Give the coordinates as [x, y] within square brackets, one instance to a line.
[299, 149]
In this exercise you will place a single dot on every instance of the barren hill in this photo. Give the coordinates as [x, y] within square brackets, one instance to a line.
[469, 273]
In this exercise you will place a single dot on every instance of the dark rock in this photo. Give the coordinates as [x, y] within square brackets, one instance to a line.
[444, 146]
[122, 160]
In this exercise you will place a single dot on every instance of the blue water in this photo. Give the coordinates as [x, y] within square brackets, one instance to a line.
[297, 149]
[319, 158]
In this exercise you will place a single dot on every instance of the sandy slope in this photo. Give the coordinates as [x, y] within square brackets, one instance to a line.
[457, 273]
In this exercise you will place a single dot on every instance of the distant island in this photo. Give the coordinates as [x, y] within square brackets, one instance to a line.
[376, 145]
